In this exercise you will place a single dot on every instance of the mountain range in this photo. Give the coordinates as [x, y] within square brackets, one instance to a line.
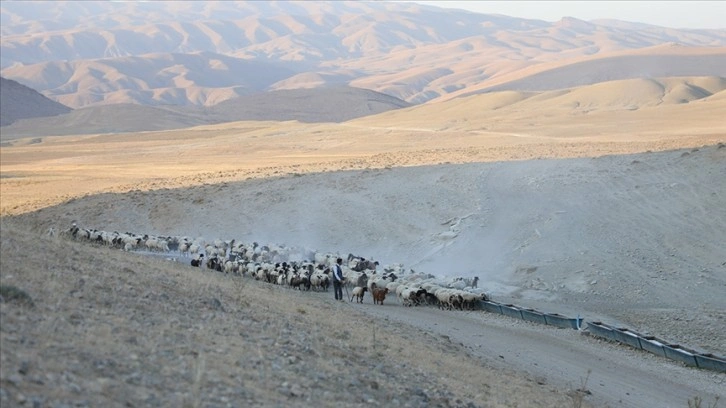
[206, 62]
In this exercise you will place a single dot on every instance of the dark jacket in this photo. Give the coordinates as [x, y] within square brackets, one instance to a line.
[337, 273]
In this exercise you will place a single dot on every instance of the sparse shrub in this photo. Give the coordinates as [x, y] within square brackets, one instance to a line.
[697, 402]
[578, 395]
[9, 293]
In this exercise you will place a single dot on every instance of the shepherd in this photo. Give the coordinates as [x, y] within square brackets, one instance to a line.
[338, 279]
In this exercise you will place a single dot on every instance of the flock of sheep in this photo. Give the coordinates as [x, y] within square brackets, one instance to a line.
[298, 268]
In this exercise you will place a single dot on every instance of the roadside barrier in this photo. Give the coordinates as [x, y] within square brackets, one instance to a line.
[659, 347]
[711, 362]
[622, 335]
[512, 311]
[532, 315]
[682, 354]
[491, 307]
[554, 319]
[628, 337]
[653, 345]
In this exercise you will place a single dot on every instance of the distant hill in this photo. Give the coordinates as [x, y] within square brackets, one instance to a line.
[118, 118]
[84, 54]
[613, 69]
[486, 112]
[335, 104]
[17, 101]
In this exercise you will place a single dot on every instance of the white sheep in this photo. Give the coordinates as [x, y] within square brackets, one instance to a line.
[319, 280]
[443, 295]
[405, 296]
[230, 267]
[358, 293]
[393, 286]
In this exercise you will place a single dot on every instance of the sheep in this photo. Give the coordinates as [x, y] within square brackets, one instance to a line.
[457, 284]
[210, 250]
[70, 232]
[443, 296]
[399, 291]
[162, 245]
[457, 301]
[396, 267]
[360, 264]
[129, 242]
[379, 294]
[172, 244]
[198, 261]
[470, 299]
[374, 281]
[320, 280]
[271, 275]
[299, 281]
[231, 267]
[214, 263]
[393, 286]
[481, 292]
[264, 263]
[461, 283]
[412, 296]
[358, 292]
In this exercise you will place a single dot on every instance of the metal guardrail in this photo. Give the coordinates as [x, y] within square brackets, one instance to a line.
[659, 347]
[623, 335]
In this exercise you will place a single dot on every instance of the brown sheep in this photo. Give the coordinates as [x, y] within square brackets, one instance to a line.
[379, 294]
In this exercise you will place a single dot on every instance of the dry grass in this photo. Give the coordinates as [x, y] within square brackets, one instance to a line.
[111, 328]
[60, 169]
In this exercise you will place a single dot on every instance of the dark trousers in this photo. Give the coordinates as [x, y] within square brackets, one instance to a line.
[338, 289]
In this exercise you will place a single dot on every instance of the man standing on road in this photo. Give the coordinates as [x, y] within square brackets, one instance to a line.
[338, 279]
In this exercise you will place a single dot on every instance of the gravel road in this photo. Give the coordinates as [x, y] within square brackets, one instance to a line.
[616, 375]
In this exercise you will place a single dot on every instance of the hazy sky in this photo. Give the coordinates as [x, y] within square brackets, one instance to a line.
[675, 14]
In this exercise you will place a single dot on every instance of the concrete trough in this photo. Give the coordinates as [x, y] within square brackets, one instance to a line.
[557, 320]
[628, 337]
[678, 353]
[511, 311]
[602, 330]
[711, 362]
[653, 345]
[532, 315]
[492, 307]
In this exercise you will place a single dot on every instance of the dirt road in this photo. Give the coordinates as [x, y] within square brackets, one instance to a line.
[615, 375]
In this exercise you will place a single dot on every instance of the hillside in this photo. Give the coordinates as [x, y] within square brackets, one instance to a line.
[152, 332]
[119, 118]
[314, 105]
[629, 239]
[332, 104]
[19, 102]
[673, 64]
